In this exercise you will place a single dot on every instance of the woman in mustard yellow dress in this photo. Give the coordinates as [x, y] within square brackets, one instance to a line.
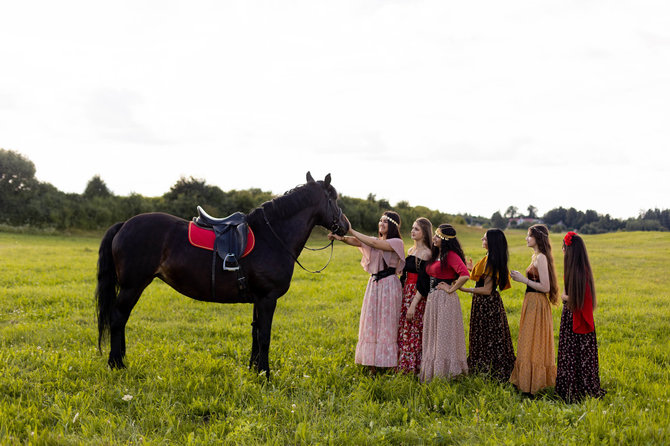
[535, 366]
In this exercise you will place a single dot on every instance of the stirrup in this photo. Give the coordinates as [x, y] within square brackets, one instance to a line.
[234, 261]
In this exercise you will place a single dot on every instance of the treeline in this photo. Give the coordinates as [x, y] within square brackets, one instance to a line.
[25, 201]
[589, 222]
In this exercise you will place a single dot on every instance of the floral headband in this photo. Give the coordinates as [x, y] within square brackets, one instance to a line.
[568, 238]
[386, 217]
[440, 234]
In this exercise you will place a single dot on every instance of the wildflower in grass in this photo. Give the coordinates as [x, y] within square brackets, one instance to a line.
[127, 397]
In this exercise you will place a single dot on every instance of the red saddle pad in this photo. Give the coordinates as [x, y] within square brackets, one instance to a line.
[204, 238]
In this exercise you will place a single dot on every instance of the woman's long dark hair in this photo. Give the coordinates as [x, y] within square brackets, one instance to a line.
[451, 244]
[541, 235]
[393, 230]
[577, 273]
[497, 258]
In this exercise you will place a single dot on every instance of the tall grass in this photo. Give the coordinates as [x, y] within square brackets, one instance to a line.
[187, 380]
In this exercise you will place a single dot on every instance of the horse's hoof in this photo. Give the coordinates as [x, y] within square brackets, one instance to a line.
[116, 363]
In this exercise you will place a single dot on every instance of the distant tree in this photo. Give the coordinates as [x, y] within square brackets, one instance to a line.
[384, 204]
[96, 188]
[590, 216]
[573, 218]
[511, 212]
[498, 221]
[188, 193]
[17, 173]
[532, 211]
[555, 216]
[665, 218]
[17, 186]
[245, 200]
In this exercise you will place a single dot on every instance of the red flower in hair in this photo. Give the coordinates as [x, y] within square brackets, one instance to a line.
[568, 238]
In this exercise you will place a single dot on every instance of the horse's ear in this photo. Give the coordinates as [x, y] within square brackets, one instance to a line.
[309, 178]
[326, 181]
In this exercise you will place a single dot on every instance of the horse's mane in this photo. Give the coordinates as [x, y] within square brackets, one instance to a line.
[288, 204]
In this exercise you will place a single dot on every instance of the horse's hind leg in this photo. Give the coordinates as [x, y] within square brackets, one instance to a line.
[253, 362]
[125, 301]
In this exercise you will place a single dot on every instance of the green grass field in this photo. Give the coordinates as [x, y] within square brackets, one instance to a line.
[187, 380]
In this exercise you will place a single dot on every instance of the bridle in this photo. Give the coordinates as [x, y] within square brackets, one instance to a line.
[334, 228]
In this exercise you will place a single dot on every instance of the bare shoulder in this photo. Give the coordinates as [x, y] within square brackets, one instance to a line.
[424, 254]
[541, 258]
[540, 261]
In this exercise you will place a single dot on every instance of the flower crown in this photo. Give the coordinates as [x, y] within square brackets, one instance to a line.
[440, 234]
[568, 238]
[386, 217]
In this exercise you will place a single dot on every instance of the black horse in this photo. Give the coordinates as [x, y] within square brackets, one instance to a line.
[134, 252]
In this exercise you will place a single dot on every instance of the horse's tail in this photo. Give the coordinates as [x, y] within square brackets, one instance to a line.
[105, 292]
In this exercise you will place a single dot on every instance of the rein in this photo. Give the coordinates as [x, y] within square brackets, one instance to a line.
[286, 248]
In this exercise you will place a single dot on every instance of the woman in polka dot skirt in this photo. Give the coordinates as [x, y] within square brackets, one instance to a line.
[577, 372]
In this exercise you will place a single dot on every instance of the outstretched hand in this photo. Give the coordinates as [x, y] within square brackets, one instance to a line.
[332, 236]
[516, 276]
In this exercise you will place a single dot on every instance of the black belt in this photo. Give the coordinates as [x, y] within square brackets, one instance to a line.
[383, 273]
[530, 289]
[434, 281]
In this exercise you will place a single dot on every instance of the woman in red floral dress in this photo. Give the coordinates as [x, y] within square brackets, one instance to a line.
[416, 284]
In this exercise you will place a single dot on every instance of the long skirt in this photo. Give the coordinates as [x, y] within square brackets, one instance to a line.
[378, 329]
[577, 374]
[443, 337]
[491, 349]
[535, 368]
[410, 333]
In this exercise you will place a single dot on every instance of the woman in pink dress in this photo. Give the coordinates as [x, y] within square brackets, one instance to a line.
[416, 285]
[443, 333]
[383, 258]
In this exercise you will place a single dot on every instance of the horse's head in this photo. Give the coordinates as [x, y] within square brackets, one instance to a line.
[331, 216]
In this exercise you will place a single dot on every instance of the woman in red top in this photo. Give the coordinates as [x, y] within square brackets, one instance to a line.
[577, 374]
[443, 333]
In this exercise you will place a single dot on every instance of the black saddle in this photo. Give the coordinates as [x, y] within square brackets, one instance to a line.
[231, 236]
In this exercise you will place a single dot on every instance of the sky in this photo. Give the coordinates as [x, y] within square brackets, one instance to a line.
[466, 107]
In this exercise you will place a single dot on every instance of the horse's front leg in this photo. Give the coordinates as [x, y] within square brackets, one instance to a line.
[253, 362]
[266, 309]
